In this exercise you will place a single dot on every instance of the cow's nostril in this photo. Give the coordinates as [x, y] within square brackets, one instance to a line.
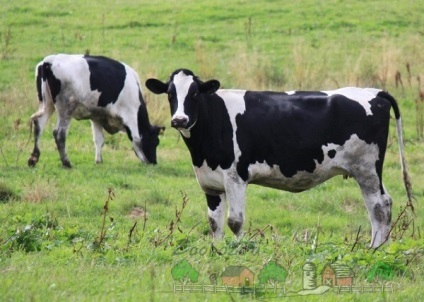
[179, 122]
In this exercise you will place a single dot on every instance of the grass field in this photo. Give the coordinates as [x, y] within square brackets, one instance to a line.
[114, 232]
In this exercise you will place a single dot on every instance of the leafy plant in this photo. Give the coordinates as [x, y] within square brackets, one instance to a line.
[272, 273]
[33, 236]
[382, 271]
[184, 272]
[100, 239]
[168, 238]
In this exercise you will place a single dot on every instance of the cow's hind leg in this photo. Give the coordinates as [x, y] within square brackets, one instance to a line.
[59, 135]
[379, 206]
[98, 139]
[216, 213]
[39, 120]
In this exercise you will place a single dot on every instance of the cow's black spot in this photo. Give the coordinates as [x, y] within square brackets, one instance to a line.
[212, 137]
[107, 76]
[236, 224]
[213, 224]
[213, 202]
[38, 81]
[54, 83]
[331, 153]
[379, 213]
[128, 130]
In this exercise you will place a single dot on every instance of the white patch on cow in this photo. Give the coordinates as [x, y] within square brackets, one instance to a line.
[128, 99]
[210, 180]
[291, 92]
[360, 95]
[65, 68]
[235, 104]
[355, 156]
[182, 84]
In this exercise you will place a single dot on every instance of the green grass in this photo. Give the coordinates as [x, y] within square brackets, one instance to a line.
[52, 217]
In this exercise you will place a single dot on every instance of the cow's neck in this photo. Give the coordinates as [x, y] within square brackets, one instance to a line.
[144, 125]
[211, 137]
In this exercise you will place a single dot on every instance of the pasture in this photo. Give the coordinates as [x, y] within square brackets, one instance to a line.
[115, 231]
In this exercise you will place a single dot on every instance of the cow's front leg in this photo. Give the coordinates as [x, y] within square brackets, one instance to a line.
[236, 197]
[216, 213]
[98, 139]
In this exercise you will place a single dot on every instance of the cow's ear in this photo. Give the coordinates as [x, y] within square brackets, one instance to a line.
[156, 86]
[209, 87]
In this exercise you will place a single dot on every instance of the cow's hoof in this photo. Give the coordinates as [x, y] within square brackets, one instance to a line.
[66, 165]
[32, 161]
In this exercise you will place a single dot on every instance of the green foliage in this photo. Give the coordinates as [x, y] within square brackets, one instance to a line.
[382, 271]
[272, 273]
[184, 272]
[34, 236]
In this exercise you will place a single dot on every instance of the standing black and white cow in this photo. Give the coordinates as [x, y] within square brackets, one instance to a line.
[291, 141]
[97, 88]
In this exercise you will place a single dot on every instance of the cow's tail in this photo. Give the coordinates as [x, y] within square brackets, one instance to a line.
[40, 70]
[399, 128]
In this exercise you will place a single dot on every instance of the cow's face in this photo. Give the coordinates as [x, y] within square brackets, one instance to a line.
[149, 143]
[184, 91]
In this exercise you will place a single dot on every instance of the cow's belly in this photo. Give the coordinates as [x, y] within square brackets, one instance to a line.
[110, 122]
[264, 175]
[213, 181]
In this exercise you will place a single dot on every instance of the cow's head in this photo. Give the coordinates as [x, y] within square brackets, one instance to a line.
[184, 91]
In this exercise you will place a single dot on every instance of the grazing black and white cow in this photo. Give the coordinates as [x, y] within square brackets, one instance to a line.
[291, 141]
[97, 88]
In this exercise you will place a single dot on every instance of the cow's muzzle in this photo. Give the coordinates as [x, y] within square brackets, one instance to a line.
[179, 122]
